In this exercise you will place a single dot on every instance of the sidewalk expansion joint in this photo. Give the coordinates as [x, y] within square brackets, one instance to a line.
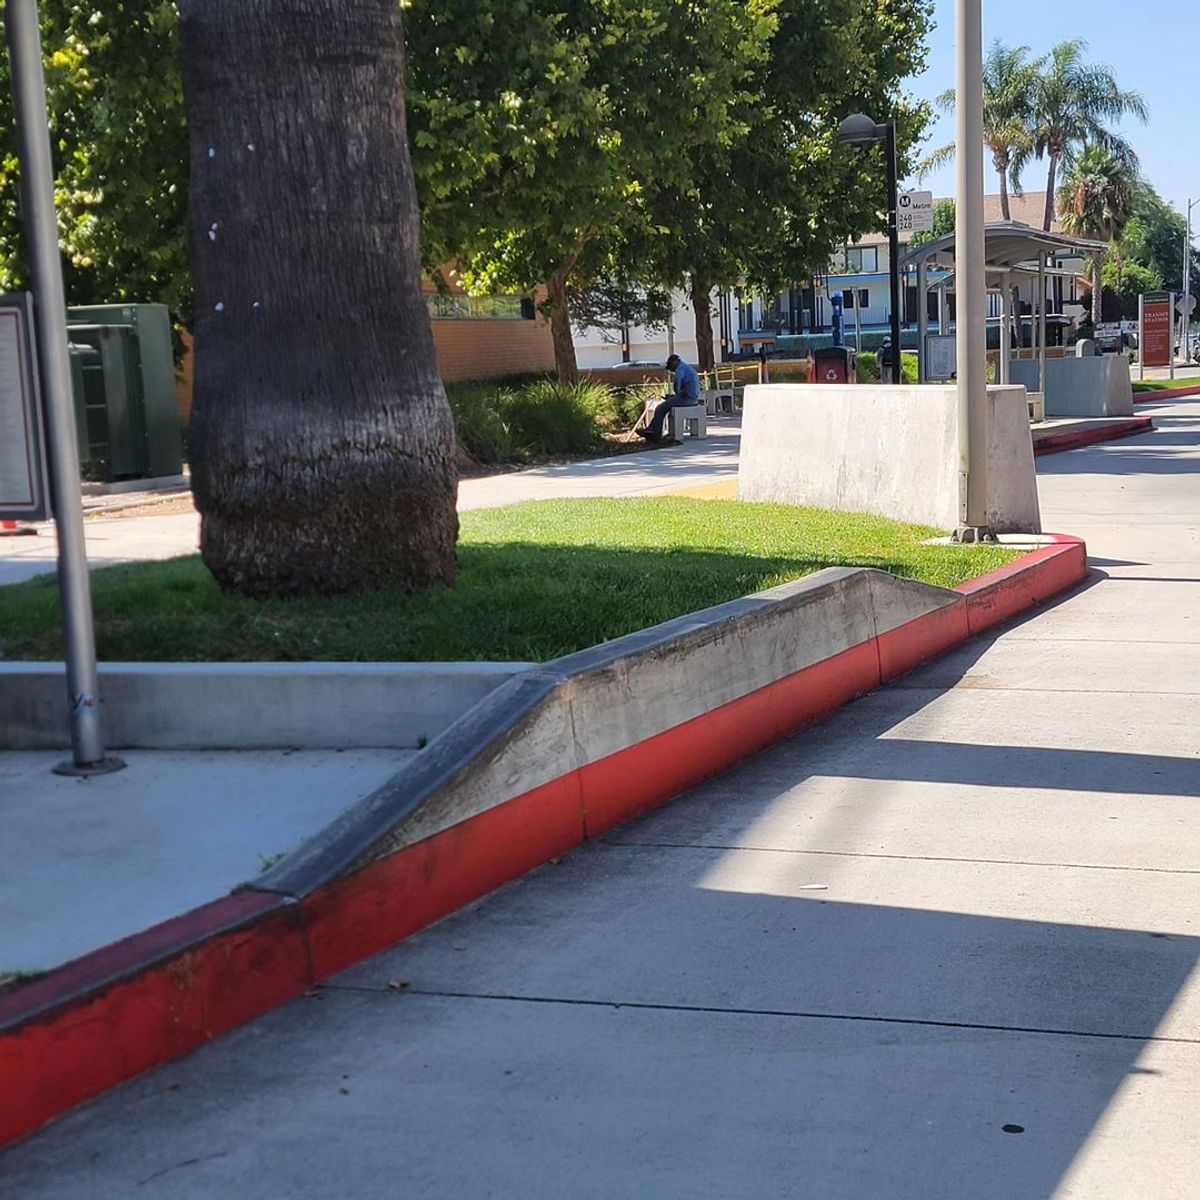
[947, 858]
[777, 1013]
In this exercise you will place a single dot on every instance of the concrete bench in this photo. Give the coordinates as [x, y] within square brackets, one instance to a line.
[693, 418]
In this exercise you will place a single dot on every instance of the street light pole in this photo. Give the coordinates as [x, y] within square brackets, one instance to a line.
[50, 320]
[970, 276]
[861, 130]
[893, 170]
[1187, 283]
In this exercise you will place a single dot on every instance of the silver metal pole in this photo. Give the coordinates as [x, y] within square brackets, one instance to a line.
[855, 296]
[970, 279]
[1004, 372]
[50, 318]
[1171, 334]
[1042, 325]
[1187, 285]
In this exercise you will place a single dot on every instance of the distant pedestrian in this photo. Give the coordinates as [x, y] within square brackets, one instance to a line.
[685, 392]
[887, 360]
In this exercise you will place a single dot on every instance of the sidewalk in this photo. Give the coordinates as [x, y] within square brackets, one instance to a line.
[114, 540]
[943, 947]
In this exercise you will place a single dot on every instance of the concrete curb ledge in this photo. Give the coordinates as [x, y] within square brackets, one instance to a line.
[554, 756]
[252, 706]
[1076, 439]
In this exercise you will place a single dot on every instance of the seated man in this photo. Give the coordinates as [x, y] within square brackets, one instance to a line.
[685, 393]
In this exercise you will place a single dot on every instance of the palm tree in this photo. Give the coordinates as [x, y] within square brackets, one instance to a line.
[1010, 80]
[322, 444]
[1075, 104]
[1097, 201]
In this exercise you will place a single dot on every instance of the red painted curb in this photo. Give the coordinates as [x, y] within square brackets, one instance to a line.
[1165, 394]
[1059, 442]
[154, 997]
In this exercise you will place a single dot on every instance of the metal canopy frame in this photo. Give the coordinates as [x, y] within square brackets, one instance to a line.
[1011, 249]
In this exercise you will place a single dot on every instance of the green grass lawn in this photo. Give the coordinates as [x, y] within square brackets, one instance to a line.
[536, 581]
[1166, 385]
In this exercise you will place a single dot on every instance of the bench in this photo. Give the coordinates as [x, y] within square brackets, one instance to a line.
[693, 418]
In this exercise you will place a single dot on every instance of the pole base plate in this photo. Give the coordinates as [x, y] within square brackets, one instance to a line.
[108, 765]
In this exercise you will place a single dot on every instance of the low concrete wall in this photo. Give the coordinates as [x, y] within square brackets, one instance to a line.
[574, 715]
[251, 706]
[1081, 387]
[892, 451]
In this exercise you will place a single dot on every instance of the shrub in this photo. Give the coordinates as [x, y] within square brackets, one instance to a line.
[483, 433]
[868, 367]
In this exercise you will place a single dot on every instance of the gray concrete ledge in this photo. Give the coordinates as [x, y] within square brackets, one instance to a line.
[251, 706]
[576, 711]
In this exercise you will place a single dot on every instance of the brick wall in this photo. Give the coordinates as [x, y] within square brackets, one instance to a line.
[492, 349]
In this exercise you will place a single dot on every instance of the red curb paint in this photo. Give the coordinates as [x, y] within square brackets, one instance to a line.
[1165, 394]
[1003, 594]
[97, 1032]
[647, 775]
[901, 650]
[359, 915]
[153, 998]
[1060, 442]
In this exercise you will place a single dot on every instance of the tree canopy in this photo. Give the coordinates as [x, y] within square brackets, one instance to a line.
[120, 141]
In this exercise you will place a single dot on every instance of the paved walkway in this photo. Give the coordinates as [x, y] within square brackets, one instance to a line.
[117, 540]
[943, 947]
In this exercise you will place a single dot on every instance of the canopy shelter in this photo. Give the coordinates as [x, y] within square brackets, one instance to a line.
[1011, 250]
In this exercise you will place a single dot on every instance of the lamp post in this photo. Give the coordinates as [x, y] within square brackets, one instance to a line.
[860, 130]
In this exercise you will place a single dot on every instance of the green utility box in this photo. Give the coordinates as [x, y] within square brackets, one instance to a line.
[129, 389]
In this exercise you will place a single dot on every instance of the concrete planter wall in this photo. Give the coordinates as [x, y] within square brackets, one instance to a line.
[891, 451]
[1081, 387]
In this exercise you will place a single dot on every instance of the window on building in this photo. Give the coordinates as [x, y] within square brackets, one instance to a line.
[864, 298]
[862, 259]
[455, 307]
[848, 299]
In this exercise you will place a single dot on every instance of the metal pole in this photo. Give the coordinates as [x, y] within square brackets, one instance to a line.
[50, 318]
[1141, 338]
[970, 279]
[893, 167]
[1005, 329]
[1171, 334]
[856, 296]
[1042, 325]
[922, 319]
[1187, 285]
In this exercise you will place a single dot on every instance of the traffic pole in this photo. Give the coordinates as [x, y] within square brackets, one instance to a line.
[88, 747]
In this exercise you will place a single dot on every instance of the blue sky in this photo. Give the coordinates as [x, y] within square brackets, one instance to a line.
[1154, 47]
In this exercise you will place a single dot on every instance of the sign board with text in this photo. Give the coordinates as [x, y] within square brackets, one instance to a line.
[941, 357]
[914, 212]
[1157, 330]
[22, 450]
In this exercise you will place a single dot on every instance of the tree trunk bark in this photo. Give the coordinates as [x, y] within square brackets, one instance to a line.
[565, 363]
[1051, 182]
[323, 451]
[1002, 172]
[1097, 290]
[702, 304]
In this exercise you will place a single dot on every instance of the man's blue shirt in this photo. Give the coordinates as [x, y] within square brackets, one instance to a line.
[687, 382]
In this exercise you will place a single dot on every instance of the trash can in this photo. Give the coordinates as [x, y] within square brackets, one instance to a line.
[833, 364]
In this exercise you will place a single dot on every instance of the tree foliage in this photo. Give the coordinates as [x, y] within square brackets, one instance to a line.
[698, 138]
[120, 144]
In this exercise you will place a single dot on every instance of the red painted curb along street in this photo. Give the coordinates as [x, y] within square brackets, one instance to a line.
[1165, 394]
[157, 996]
[1057, 443]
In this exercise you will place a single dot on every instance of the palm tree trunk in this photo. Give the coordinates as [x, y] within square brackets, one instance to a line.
[1001, 165]
[1097, 290]
[322, 445]
[706, 356]
[566, 365]
[1051, 182]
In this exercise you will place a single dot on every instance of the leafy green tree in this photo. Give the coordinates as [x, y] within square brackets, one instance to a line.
[120, 142]
[1010, 83]
[1096, 201]
[769, 206]
[1077, 103]
[1124, 282]
[1154, 239]
[537, 128]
